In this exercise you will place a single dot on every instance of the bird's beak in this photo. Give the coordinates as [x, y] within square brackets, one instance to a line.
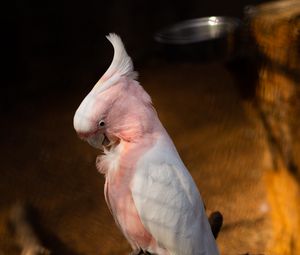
[96, 140]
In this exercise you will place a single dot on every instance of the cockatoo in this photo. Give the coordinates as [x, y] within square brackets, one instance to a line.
[149, 191]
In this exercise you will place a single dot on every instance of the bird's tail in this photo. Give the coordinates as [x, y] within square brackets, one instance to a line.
[216, 221]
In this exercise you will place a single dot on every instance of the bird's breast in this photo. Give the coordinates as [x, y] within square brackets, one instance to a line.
[120, 201]
[120, 169]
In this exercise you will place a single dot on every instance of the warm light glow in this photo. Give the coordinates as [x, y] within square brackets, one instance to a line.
[213, 21]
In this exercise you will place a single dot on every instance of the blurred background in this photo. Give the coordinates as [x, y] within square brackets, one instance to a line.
[229, 101]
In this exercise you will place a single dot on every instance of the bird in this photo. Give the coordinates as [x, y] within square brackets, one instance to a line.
[149, 191]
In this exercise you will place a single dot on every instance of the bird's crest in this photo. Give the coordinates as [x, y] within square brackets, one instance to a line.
[121, 65]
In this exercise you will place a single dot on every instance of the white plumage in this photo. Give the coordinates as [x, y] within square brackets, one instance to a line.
[121, 65]
[169, 203]
[149, 191]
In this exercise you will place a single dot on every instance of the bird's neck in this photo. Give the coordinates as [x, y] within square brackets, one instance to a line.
[125, 154]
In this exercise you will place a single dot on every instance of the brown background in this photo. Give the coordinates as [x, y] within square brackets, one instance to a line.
[53, 53]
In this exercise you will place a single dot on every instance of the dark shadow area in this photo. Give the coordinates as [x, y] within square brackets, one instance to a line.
[245, 71]
[47, 238]
[58, 46]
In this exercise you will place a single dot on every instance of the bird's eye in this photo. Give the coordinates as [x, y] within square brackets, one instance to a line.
[101, 123]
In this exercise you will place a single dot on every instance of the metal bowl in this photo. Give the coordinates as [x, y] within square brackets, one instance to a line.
[202, 38]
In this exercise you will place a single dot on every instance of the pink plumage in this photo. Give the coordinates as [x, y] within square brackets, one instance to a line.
[148, 190]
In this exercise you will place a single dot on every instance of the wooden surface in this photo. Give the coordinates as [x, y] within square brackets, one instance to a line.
[219, 136]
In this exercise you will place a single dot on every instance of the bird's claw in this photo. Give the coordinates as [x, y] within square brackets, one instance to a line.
[139, 252]
[136, 252]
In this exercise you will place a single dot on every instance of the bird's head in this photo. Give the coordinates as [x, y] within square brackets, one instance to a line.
[117, 108]
[91, 119]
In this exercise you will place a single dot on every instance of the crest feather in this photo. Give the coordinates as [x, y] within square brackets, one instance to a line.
[121, 64]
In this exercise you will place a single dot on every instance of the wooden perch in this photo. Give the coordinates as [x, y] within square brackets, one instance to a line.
[25, 235]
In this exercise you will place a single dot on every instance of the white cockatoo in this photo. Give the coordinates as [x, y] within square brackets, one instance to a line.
[148, 189]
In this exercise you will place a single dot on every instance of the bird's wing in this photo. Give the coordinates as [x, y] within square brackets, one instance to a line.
[171, 209]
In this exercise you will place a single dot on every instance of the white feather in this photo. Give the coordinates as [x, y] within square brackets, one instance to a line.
[121, 65]
[169, 203]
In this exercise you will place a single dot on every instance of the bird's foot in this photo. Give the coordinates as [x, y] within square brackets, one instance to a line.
[136, 252]
[139, 252]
